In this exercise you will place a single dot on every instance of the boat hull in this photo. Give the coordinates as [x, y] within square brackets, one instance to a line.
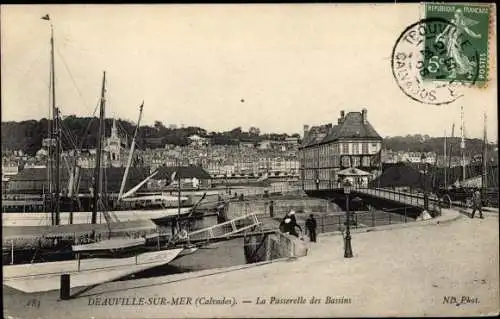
[44, 219]
[41, 277]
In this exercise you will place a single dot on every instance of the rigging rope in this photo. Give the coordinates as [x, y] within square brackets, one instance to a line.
[85, 105]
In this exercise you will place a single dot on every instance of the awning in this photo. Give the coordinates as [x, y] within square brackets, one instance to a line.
[27, 232]
[353, 171]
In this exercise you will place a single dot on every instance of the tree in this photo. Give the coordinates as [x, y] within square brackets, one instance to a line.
[254, 131]
[159, 125]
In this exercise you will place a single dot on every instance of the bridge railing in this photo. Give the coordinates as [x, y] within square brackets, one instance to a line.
[412, 199]
[359, 219]
[227, 228]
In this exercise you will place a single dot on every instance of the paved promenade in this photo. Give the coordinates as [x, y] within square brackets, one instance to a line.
[405, 271]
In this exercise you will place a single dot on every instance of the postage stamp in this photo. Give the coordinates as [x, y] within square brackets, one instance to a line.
[464, 42]
[434, 59]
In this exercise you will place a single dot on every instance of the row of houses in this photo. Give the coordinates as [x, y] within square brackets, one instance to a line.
[287, 143]
[35, 180]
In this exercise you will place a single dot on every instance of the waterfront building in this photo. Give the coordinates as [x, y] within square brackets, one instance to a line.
[198, 140]
[328, 149]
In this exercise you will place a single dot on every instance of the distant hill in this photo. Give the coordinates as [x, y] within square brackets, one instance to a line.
[82, 132]
[424, 143]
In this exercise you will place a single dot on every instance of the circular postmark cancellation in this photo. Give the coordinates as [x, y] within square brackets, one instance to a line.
[432, 60]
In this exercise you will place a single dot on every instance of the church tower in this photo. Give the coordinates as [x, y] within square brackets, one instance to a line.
[114, 147]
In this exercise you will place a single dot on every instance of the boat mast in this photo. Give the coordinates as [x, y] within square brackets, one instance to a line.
[444, 162]
[97, 171]
[178, 198]
[484, 181]
[57, 138]
[450, 151]
[131, 154]
[54, 135]
[462, 142]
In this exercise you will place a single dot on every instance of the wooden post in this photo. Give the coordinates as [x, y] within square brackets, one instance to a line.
[405, 215]
[65, 287]
[12, 252]
[78, 259]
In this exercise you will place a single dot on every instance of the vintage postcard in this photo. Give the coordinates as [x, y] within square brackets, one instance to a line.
[227, 161]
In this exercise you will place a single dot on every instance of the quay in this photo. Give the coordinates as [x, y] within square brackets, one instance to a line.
[396, 271]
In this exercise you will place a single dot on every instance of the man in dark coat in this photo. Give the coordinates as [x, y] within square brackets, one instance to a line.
[311, 227]
[477, 204]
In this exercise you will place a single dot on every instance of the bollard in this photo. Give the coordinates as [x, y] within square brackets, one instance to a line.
[65, 287]
[12, 252]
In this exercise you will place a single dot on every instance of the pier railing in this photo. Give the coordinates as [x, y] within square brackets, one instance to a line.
[228, 228]
[412, 199]
[359, 219]
[337, 221]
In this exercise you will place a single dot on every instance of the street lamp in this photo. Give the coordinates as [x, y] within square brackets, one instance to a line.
[347, 244]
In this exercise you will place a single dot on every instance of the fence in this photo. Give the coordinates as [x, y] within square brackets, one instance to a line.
[361, 219]
[412, 199]
[280, 207]
[330, 222]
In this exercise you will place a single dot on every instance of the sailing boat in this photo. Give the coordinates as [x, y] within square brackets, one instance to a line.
[123, 212]
[89, 270]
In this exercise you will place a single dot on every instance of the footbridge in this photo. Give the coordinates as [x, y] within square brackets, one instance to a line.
[386, 197]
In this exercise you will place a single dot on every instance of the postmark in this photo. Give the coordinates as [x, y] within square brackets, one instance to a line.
[424, 69]
[465, 41]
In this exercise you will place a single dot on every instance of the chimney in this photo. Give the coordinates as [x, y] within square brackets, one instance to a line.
[306, 129]
[341, 118]
[363, 115]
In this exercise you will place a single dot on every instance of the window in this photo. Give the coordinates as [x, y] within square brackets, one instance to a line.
[346, 161]
[355, 148]
[345, 148]
[364, 148]
[356, 161]
[366, 161]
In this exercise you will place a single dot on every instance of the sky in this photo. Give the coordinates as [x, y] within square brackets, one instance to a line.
[276, 67]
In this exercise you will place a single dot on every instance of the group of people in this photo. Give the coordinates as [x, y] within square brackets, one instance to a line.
[289, 225]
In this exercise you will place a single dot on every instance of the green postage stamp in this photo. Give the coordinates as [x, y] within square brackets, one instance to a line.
[437, 57]
[463, 43]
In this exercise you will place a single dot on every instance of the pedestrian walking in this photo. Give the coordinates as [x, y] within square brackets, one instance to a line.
[477, 204]
[271, 209]
[221, 213]
[292, 223]
[311, 227]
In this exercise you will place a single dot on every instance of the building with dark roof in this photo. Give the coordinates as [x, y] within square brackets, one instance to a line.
[35, 180]
[328, 149]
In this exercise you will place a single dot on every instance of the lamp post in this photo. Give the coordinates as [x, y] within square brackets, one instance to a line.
[347, 245]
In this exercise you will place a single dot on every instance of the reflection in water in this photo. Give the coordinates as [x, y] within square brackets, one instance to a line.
[215, 255]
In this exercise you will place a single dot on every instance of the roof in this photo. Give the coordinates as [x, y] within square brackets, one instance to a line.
[351, 126]
[401, 175]
[165, 172]
[112, 175]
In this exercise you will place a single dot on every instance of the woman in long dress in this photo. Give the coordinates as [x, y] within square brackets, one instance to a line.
[452, 36]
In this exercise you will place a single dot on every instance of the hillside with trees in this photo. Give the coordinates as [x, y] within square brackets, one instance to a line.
[81, 132]
[424, 143]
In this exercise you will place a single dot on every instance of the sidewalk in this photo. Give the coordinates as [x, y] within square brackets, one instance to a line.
[406, 271]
